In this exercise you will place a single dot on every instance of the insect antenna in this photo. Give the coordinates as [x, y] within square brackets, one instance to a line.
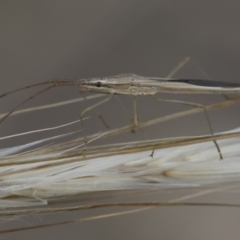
[26, 87]
[55, 83]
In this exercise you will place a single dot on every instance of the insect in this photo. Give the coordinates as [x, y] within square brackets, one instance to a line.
[131, 84]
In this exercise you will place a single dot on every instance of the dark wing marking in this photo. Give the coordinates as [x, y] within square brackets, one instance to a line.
[207, 83]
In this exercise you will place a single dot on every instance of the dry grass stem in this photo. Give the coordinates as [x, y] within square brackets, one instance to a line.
[44, 176]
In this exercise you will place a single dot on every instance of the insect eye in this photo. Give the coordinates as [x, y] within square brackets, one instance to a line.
[98, 84]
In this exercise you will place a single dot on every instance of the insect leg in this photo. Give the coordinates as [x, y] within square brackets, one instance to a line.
[103, 121]
[26, 87]
[90, 109]
[135, 114]
[176, 69]
[135, 118]
[196, 106]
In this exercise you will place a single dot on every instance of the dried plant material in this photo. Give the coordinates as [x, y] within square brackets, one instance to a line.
[37, 176]
[33, 178]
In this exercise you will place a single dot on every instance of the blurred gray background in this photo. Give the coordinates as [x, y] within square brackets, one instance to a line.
[45, 40]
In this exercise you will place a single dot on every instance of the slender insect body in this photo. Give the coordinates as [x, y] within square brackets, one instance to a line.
[131, 84]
